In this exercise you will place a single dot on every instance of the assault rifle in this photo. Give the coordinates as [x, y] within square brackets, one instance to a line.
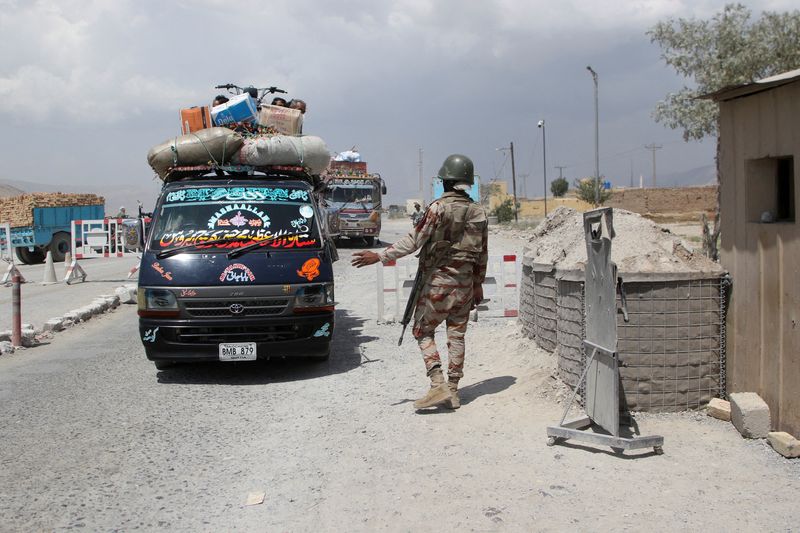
[429, 259]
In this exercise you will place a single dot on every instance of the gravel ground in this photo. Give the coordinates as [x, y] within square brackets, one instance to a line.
[94, 438]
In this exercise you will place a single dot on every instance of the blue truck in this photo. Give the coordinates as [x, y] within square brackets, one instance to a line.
[50, 231]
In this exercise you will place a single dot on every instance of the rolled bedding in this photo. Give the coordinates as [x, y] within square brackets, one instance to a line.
[308, 151]
[212, 145]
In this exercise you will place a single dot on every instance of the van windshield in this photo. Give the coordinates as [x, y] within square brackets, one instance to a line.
[233, 217]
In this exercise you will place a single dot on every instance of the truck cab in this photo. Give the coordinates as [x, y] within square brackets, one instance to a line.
[236, 268]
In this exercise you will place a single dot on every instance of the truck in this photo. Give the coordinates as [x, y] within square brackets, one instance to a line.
[352, 198]
[41, 222]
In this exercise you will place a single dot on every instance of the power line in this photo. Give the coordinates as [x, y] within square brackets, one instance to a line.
[653, 147]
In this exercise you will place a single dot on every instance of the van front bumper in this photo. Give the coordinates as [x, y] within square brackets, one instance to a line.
[198, 340]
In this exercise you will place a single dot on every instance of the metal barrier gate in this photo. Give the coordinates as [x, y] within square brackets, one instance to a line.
[396, 278]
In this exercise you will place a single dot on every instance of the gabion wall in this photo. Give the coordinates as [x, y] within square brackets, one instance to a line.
[672, 351]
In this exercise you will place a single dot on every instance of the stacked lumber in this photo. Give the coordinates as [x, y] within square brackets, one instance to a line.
[18, 210]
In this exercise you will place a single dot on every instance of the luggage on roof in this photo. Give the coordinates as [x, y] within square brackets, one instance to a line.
[283, 120]
[239, 109]
[195, 119]
[210, 146]
[309, 152]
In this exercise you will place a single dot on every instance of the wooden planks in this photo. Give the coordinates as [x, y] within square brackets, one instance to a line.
[18, 210]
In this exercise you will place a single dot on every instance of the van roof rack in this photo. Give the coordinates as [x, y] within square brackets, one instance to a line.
[239, 171]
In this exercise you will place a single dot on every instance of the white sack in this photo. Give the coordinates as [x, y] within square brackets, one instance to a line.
[308, 151]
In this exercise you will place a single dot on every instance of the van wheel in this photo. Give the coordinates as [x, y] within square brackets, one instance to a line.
[31, 258]
[59, 246]
[369, 240]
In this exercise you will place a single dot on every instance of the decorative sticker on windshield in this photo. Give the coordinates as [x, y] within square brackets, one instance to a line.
[300, 224]
[239, 215]
[306, 211]
[310, 269]
[237, 238]
[235, 194]
[237, 273]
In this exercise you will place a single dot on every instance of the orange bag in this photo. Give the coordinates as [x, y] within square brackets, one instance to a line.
[195, 119]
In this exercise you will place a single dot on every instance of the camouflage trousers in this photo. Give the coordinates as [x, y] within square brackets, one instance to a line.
[446, 299]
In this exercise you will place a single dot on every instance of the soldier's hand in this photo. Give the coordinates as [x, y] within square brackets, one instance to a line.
[364, 258]
[477, 296]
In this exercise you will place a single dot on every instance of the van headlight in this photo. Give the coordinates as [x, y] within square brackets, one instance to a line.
[156, 302]
[314, 298]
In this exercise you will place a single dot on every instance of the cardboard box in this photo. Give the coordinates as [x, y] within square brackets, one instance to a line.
[285, 120]
[239, 109]
[195, 119]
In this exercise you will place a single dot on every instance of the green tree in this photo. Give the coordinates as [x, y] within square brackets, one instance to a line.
[559, 187]
[585, 189]
[728, 49]
[505, 211]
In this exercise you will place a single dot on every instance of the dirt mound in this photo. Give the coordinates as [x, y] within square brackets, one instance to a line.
[640, 245]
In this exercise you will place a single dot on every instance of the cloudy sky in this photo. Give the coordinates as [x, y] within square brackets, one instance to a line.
[89, 86]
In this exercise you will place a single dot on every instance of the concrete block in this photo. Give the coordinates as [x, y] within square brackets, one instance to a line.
[6, 347]
[5, 335]
[750, 415]
[784, 443]
[719, 408]
[126, 295]
[54, 324]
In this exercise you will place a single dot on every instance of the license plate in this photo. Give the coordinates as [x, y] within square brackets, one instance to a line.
[237, 351]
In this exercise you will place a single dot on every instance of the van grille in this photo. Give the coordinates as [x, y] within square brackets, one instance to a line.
[217, 334]
[249, 308]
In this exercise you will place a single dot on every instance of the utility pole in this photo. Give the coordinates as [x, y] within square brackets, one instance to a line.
[560, 170]
[514, 181]
[421, 190]
[631, 173]
[653, 147]
[544, 162]
[596, 139]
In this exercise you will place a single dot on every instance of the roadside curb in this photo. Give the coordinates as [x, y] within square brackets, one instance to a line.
[31, 336]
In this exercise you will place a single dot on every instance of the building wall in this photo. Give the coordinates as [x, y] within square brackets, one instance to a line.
[763, 352]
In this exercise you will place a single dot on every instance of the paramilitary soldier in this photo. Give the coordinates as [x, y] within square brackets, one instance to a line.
[453, 236]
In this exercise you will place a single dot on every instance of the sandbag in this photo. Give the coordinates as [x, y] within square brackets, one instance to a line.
[308, 151]
[212, 145]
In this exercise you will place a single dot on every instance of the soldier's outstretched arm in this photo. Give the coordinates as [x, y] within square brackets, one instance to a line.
[405, 246]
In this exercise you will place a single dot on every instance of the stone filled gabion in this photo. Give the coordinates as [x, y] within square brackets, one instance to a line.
[672, 351]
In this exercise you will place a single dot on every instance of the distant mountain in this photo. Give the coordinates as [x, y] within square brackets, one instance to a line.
[116, 195]
[706, 175]
[9, 190]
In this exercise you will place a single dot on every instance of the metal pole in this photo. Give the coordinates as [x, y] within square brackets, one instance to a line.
[596, 140]
[653, 147]
[16, 313]
[544, 164]
[421, 190]
[514, 182]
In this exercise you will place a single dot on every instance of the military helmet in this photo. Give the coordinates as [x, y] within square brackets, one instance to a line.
[457, 168]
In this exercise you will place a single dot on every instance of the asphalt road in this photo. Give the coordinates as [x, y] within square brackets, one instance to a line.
[92, 437]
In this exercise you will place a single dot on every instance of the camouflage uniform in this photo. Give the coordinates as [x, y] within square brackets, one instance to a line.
[447, 295]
